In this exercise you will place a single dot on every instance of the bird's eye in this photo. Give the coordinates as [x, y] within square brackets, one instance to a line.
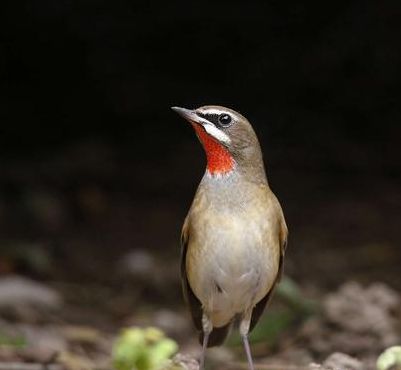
[225, 119]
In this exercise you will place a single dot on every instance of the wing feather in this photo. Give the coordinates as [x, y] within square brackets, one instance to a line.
[193, 302]
[261, 305]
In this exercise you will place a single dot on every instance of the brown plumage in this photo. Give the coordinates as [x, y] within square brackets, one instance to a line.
[234, 236]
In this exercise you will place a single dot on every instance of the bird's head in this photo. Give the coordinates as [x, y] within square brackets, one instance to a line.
[227, 137]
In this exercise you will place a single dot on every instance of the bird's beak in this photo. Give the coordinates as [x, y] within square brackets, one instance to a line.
[189, 115]
[192, 117]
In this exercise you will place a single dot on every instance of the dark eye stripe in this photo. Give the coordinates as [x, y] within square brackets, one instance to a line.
[213, 118]
[208, 115]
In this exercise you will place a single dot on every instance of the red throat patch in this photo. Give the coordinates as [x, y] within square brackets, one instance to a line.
[219, 160]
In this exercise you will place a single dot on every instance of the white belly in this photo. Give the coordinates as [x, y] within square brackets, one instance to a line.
[236, 275]
[238, 286]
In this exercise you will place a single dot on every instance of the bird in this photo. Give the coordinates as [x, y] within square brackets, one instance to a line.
[234, 236]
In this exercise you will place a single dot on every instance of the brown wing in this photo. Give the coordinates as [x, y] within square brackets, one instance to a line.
[193, 302]
[260, 306]
[218, 335]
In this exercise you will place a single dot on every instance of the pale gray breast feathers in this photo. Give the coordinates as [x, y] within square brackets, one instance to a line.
[237, 243]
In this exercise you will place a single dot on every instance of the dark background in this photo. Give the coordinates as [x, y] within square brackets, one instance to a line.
[94, 164]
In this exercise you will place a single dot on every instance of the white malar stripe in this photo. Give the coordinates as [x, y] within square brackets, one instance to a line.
[216, 133]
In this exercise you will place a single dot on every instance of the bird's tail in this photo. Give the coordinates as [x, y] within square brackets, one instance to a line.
[217, 336]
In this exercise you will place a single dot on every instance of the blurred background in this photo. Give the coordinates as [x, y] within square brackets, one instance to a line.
[97, 173]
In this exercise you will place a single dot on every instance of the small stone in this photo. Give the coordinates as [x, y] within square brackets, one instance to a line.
[186, 362]
[171, 322]
[138, 263]
[20, 296]
[339, 360]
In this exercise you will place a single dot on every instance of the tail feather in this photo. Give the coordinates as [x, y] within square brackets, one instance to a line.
[217, 336]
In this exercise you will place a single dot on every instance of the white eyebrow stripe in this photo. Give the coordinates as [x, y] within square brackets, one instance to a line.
[216, 133]
[213, 111]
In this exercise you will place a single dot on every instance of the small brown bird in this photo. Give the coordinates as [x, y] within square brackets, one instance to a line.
[234, 236]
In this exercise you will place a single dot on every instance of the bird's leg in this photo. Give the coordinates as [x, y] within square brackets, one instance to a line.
[207, 329]
[204, 346]
[248, 351]
[244, 330]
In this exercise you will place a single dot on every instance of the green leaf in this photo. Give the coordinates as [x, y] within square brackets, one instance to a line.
[289, 291]
[12, 341]
[390, 359]
[162, 351]
[142, 349]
